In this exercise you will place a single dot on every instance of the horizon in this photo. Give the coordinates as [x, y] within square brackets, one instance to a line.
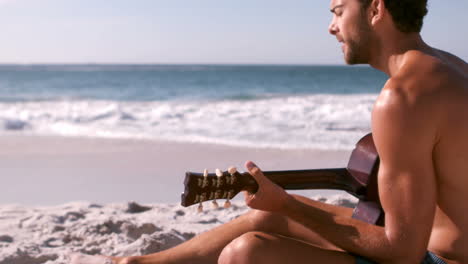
[175, 64]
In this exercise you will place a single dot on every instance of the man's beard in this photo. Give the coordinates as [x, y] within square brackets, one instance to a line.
[358, 49]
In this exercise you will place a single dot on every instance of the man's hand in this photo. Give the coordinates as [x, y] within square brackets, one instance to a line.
[269, 196]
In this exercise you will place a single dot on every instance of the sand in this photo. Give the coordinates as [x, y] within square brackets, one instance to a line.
[55, 170]
[46, 235]
[118, 197]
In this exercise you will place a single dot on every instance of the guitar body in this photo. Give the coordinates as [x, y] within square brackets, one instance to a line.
[359, 178]
[363, 166]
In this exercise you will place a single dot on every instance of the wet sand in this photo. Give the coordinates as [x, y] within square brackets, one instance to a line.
[55, 170]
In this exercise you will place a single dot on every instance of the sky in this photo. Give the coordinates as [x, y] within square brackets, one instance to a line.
[193, 31]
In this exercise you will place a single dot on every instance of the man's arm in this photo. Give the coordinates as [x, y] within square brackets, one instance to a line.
[404, 134]
[405, 126]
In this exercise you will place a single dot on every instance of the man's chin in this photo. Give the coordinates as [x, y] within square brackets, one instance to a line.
[349, 62]
[354, 61]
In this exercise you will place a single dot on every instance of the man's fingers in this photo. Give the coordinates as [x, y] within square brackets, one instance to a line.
[255, 171]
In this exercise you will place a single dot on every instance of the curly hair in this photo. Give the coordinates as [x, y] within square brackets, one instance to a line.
[407, 15]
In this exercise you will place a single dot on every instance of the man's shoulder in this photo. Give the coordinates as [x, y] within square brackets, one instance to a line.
[410, 90]
[413, 93]
[426, 77]
[436, 69]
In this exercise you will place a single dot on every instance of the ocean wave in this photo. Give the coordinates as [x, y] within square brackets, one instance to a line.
[312, 121]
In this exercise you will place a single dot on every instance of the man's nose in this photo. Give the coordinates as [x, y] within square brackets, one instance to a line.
[332, 28]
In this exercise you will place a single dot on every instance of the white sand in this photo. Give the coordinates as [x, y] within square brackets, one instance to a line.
[44, 178]
[37, 235]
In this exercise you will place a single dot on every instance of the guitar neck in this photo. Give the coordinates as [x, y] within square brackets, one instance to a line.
[337, 179]
[358, 179]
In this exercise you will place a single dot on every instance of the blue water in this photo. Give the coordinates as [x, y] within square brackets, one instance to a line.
[291, 106]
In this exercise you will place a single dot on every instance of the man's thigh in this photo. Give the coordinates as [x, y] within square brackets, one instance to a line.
[259, 247]
[290, 228]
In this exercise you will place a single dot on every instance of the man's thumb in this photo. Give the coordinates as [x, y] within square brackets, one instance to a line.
[255, 171]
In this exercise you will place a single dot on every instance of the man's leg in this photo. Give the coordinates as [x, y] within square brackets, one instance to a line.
[206, 247]
[258, 247]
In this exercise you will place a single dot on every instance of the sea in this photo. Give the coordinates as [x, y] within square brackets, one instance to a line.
[261, 106]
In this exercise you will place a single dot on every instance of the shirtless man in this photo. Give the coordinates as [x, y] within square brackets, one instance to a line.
[420, 128]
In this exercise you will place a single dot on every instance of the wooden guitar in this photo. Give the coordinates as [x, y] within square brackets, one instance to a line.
[359, 179]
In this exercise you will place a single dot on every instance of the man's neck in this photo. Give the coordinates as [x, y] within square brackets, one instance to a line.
[389, 56]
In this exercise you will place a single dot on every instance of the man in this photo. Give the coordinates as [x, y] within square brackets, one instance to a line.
[420, 128]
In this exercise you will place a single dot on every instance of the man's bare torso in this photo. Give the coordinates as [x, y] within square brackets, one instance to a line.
[443, 80]
[450, 231]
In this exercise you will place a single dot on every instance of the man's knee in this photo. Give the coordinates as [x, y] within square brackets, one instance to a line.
[243, 249]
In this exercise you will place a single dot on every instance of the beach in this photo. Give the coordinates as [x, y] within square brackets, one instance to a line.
[93, 157]
[119, 196]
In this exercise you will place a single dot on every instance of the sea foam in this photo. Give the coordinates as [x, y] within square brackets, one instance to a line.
[313, 121]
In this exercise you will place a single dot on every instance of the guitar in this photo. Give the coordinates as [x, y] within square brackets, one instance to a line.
[359, 179]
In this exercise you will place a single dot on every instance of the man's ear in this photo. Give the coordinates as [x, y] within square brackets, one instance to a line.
[376, 11]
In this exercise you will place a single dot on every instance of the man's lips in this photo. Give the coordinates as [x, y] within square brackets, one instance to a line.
[342, 46]
[341, 41]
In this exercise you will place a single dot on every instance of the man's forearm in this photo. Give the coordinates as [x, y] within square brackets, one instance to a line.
[340, 229]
